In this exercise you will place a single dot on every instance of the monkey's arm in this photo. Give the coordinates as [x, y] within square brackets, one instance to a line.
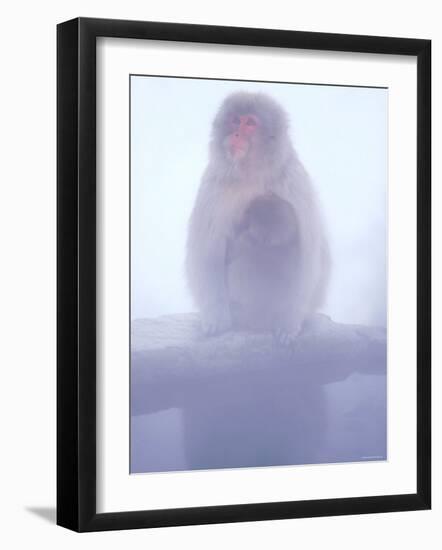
[205, 267]
[312, 253]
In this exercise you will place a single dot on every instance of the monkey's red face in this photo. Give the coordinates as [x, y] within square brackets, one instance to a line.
[242, 130]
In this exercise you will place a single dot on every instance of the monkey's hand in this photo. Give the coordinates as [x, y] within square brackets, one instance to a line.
[216, 320]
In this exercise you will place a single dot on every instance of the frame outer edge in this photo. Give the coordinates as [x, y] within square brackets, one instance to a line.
[67, 267]
[424, 275]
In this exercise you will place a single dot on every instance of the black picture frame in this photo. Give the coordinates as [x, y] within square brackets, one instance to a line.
[76, 273]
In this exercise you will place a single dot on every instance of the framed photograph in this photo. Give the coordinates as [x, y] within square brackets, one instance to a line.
[243, 274]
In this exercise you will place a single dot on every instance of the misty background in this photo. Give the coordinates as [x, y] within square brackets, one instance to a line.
[340, 134]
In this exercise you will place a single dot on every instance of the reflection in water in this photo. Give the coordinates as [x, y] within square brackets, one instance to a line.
[232, 425]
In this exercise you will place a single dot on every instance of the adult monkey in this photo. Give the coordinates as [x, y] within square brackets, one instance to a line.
[257, 254]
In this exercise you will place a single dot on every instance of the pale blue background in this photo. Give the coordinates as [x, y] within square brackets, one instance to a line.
[341, 136]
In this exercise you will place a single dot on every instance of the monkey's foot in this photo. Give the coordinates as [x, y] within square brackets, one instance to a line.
[286, 337]
[216, 323]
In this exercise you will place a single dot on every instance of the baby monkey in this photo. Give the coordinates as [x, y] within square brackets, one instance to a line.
[261, 265]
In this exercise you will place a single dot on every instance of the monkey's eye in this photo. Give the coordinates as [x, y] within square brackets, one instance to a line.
[251, 122]
[236, 120]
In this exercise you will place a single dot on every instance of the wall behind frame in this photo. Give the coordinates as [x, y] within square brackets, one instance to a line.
[27, 289]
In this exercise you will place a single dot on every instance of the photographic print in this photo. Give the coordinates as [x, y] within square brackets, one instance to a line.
[258, 284]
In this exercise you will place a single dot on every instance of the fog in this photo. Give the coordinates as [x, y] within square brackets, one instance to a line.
[345, 423]
[340, 134]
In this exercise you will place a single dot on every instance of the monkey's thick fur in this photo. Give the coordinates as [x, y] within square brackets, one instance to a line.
[257, 254]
